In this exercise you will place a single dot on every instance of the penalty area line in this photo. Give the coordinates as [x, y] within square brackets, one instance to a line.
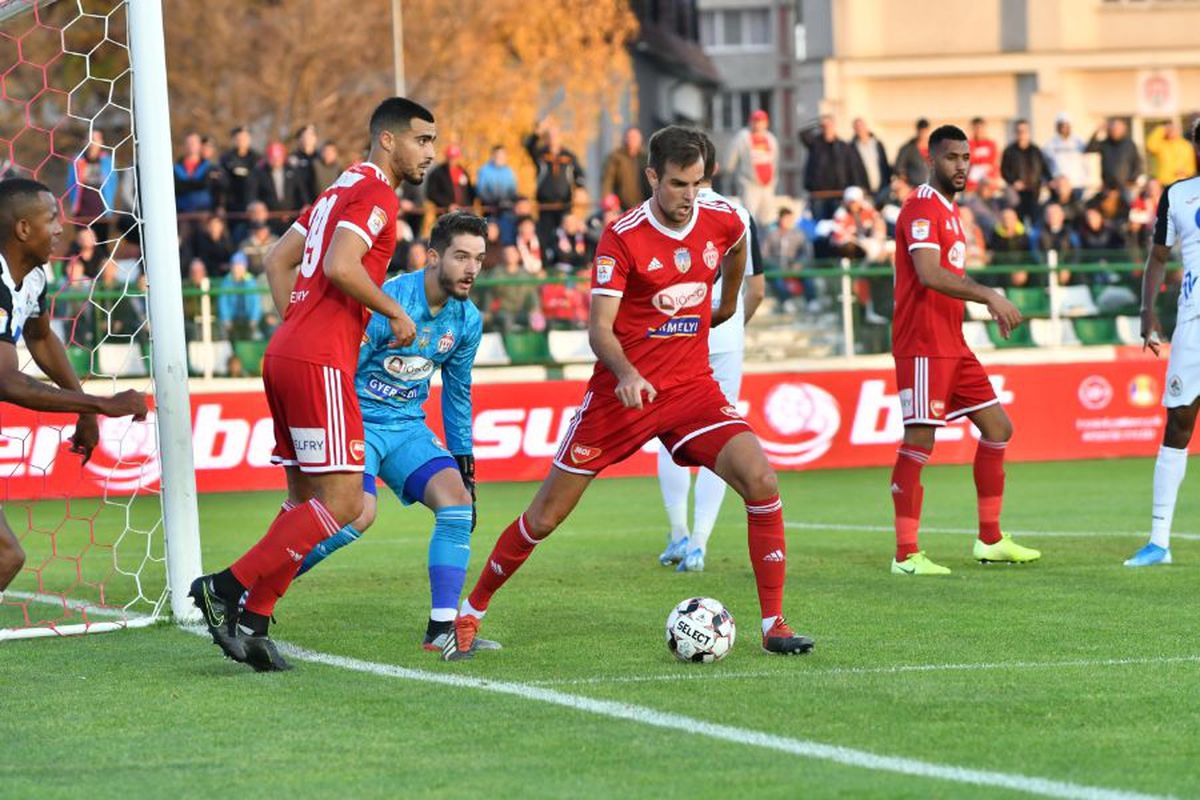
[643, 715]
[840, 526]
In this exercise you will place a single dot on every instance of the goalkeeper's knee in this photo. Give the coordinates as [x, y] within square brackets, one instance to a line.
[347, 535]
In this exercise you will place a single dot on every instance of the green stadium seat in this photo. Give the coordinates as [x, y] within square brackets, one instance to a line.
[1097, 330]
[1032, 302]
[250, 353]
[527, 347]
[1020, 337]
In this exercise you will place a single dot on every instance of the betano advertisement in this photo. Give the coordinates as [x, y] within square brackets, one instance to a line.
[814, 420]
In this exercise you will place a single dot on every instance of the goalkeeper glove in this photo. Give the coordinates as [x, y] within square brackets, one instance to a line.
[466, 467]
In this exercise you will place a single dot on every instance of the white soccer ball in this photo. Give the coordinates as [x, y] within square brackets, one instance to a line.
[700, 629]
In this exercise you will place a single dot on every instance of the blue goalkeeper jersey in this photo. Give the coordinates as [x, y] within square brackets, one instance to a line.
[393, 382]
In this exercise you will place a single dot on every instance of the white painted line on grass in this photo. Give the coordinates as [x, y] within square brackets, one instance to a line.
[714, 675]
[839, 526]
[846, 756]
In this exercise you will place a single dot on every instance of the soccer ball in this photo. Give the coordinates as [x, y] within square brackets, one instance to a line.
[700, 629]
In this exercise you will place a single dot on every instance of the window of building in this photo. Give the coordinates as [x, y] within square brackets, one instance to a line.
[736, 29]
[731, 110]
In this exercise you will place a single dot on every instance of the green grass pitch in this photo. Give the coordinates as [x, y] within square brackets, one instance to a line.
[1074, 669]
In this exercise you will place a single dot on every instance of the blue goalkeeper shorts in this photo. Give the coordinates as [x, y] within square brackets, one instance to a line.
[405, 459]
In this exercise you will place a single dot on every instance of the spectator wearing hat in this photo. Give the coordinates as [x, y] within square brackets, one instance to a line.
[985, 155]
[753, 165]
[1065, 152]
[625, 171]
[869, 163]
[858, 231]
[912, 161]
[1174, 156]
[238, 305]
[1025, 168]
[830, 167]
[279, 187]
[610, 211]
[449, 186]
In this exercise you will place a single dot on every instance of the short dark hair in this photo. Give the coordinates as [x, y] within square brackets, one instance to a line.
[785, 210]
[396, 114]
[976, 120]
[675, 144]
[453, 224]
[710, 157]
[946, 133]
[1019, 122]
[15, 196]
[922, 123]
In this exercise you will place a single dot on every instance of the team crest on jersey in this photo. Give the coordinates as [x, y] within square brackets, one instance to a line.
[358, 449]
[937, 409]
[654, 264]
[920, 229]
[711, 256]
[731, 412]
[683, 259]
[581, 453]
[446, 343]
[605, 265]
[377, 220]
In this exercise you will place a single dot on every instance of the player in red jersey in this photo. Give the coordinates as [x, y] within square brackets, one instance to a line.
[939, 378]
[649, 322]
[325, 272]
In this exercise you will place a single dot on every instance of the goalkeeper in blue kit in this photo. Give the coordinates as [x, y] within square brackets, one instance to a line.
[392, 384]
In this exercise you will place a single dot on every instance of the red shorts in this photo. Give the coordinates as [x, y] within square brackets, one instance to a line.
[318, 425]
[693, 420]
[935, 390]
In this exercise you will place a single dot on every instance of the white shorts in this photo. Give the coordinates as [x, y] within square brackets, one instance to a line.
[727, 370]
[1183, 368]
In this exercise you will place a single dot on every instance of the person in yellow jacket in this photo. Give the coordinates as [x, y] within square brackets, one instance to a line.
[1174, 156]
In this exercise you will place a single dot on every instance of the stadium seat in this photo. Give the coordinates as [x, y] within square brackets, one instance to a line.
[201, 357]
[1030, 301]
[1020, 336]
[250, 353]
[491, 351]
[121, 360]
[1129, 330]
[976, 334]
[571, 347]
[1096, 330]
[979, 311]
[1052, 333]
[1075, 301]
[527, 347]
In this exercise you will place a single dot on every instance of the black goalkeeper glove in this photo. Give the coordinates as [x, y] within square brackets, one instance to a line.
[466, 467]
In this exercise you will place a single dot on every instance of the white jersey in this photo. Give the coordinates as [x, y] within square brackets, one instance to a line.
[730, 336]
[1178, 222]
[19, 305]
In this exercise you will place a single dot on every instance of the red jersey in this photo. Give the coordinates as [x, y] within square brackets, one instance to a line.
[926, 322]
[322, 324]
[664, 278]
[985, 162]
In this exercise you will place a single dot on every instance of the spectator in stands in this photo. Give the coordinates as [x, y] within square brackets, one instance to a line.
[412, 207]
[1120, 162]
[302, 160]
[511, 304]
[404, 240]
[1113, 207]
[564, 305]
[1174, 156]
[119, 286]
[871, 169]
[1065, 152]
[1024, 167]
[211, 246]
[625, 171]
[858, 231]
[753, 165]
[897, 193]
[986, 202]
[1099, 242]
[609, 211]
[85, 252]
[259, 239]
[448, 185]
[1010, 242]
[985, 155]
[572, 252]
[496, 184]
[218, 180]
[239, 164]
[830, 166]
[493, 253]
[418, 257]
[193, 284]
[1057, 237]
[1142, 214]
[785, 248]
[192, 195]
[280, 187]
[239, 312]
[977, 252]
[327, 167]
[912, 162]
[92, 188]
[558, 173]
[1063, 192]
[529, 246]
[80, 314]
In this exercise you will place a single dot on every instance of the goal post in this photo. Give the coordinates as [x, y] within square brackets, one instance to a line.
[108, 544]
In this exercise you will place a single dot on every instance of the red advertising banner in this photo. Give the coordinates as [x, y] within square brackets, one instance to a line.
[812, 420]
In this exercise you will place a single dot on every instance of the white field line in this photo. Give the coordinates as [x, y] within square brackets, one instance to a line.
[837, 526]
[891, 670]
[845, 756]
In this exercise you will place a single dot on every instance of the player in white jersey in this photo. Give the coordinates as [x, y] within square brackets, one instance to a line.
[725, 346]
[1178, 222]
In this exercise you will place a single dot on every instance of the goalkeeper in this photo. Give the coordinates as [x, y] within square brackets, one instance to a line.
[392, 384]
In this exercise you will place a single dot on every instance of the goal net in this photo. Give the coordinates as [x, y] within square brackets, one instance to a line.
[95, 535]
